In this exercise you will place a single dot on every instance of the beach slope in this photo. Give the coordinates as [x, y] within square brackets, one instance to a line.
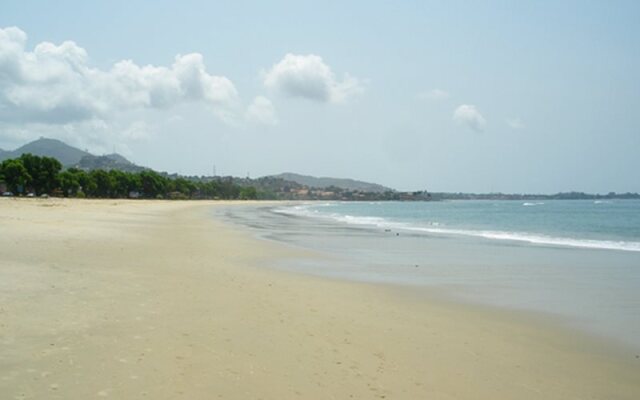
[157, 300]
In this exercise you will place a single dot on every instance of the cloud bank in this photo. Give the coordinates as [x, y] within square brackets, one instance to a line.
[307, 76]
[469, 116]
[56, 84]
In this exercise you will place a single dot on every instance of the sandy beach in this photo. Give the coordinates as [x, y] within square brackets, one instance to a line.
[157, 300]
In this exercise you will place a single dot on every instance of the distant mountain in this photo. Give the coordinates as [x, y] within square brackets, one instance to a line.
[70, 156]
[67, 155]
[118, 158]
[107, 163]
[324, 182]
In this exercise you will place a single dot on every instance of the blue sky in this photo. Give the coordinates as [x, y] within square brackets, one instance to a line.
[448, 96]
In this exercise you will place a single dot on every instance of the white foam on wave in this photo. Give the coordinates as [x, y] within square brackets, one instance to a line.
[355, 220]
[301, 209]
[540, 239]
[435, 228]
[532, 204]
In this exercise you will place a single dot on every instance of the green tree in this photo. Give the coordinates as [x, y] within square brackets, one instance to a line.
[69, 183]
[43, 172]
[209, 189]
[152, 184]
[228, 190]
[135, 183]
[183, 186]
[121, 183]
[103, 183]
[87, 184]
[248, 193]
[15, 175]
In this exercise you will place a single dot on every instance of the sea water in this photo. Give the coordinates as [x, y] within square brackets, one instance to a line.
[612, 224]
[576, 260]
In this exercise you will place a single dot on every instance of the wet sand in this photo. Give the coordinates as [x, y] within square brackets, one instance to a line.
[156, 300]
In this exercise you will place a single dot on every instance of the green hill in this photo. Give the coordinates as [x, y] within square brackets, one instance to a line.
[70, 156]
[324, 182]
[67, 155]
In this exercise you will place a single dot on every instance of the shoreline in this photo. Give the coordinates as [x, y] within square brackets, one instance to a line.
[572, 288]
[169, 302]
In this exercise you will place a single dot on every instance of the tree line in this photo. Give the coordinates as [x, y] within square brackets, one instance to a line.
[45, 175]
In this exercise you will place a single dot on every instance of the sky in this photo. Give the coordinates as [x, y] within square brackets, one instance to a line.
[483, 96]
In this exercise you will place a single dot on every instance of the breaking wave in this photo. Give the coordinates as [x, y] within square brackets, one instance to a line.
[437, 228]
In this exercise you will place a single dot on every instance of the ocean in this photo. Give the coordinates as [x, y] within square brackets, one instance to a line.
[577, 261]
[599, 224]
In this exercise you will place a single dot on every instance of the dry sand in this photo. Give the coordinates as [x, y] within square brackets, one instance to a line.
[155, 300]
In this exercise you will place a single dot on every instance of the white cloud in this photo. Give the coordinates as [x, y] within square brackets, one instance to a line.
[56, 85]
[515, 123]
[261, 111]
[307, 76]
[175, 119]
[469, 116]
[137, 130]
[434, 94]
